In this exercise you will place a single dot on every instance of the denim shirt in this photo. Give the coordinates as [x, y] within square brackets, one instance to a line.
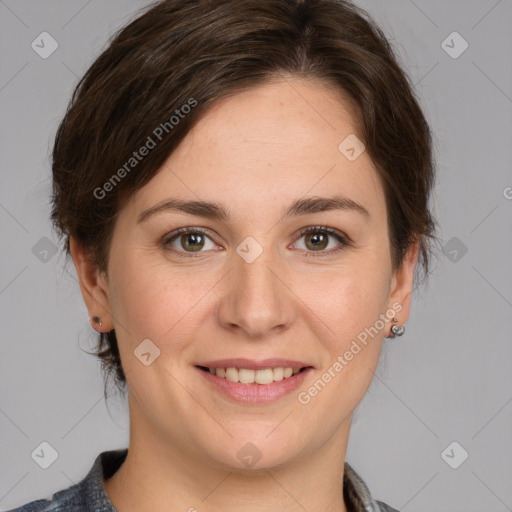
[89, 494]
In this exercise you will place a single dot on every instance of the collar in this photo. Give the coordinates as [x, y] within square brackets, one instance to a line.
[355, 492]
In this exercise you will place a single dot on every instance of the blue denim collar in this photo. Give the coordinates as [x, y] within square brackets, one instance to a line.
[90, 495]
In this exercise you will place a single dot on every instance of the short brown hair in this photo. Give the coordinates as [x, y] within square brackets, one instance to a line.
[183, 51]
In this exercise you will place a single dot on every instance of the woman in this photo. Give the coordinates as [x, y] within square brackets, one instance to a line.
[243, 187]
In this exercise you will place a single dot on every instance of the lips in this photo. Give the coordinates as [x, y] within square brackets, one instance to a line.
[246, 380]
[253, 388]
[255, 365]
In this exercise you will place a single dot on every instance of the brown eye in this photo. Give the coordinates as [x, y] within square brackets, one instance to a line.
[188, 240]
[192, 241]
[316, 241]
[318, 238]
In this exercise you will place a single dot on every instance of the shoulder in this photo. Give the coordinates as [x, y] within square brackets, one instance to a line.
[70, 499]
[86, 496]
[382, 507]
[358, 496]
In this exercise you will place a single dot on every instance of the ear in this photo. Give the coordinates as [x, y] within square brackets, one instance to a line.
[402, 284]
[94, 287]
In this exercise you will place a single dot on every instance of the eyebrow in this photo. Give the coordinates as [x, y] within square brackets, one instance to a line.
[217, 211]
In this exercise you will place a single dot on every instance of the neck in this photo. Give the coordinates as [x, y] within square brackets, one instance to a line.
[158, 475]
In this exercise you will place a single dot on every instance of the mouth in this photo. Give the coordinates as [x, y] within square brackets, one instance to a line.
[262, 376]
[254, 382]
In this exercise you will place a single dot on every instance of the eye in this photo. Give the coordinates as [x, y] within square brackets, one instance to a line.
[317, 239]
[188, 240]
[191, 241]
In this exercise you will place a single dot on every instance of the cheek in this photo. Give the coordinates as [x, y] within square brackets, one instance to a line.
[156, 301]
[346, 301]
[347, 314]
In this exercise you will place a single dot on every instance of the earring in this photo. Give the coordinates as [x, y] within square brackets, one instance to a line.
[97, 320]
[396, 330]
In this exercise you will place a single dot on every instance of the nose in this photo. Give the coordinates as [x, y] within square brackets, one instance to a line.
[256, 298]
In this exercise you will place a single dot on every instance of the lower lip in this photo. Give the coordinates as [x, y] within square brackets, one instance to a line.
[255, 393]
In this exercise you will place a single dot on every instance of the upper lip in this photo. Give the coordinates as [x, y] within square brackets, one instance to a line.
[250, 364]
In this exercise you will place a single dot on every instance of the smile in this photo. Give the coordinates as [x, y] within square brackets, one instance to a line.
[250, 376]
[263, 382]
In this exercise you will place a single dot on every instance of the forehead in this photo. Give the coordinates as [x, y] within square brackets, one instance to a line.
[271, 144]
[279, 122]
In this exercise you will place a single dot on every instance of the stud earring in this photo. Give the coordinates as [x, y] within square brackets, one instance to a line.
[396, 330]
[97, 320]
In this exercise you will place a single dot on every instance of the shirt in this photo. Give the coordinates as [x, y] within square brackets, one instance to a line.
[89, 494]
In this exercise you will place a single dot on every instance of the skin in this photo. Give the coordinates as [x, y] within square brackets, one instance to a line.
[255, 153]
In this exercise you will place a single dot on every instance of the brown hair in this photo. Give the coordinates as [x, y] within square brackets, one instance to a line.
[195, 52]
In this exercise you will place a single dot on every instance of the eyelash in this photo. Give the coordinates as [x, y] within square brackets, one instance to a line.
[344, 241]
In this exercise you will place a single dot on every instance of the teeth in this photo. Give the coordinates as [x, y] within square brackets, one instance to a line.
[278, 373]
[247, 376]
[264, 376]
[232, 374]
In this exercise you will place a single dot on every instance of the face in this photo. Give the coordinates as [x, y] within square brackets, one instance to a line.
[250, 289]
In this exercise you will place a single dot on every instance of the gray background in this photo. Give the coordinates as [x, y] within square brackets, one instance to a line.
[448, 379]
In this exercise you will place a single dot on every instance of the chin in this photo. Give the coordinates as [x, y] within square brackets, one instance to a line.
[254, 450]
